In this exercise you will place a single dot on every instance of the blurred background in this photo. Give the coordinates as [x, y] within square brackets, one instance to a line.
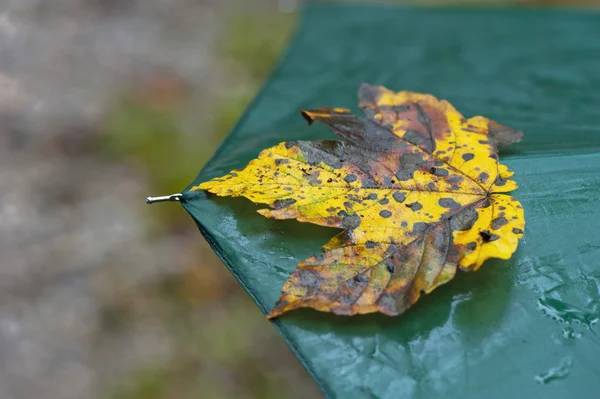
[102, 103]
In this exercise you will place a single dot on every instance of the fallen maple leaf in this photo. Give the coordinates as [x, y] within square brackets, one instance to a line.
[415, 188]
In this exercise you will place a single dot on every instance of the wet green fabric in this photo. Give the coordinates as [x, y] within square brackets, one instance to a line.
[519, 328]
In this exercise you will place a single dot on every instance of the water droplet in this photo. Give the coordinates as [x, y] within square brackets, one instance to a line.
[570, 314]
[569, 333]
[556, 373]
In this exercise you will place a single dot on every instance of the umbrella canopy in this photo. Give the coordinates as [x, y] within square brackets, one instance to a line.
[526, 326]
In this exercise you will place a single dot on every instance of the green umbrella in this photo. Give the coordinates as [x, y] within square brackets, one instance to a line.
[517, 328]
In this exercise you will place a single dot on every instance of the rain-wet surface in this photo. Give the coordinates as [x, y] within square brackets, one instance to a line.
[525, 326]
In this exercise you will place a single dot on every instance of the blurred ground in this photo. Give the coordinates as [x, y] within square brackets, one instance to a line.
[103, 102]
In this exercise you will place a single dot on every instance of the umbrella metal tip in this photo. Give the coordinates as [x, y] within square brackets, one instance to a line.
[172, 197]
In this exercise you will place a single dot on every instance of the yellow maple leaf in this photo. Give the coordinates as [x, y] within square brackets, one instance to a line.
[417, 189]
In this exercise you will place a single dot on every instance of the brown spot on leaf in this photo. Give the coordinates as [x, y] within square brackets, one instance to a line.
[483, 177]
[486, 236]
[404, 257]
[455, 179]
[350, 222]
[308, 278]
[385, 213]
[420, 227]
[369, 183]
[448, 203]
[350, 178]
[499, 222]
[280, 204]
[399, 196]
[415, 206]
[440, 172]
